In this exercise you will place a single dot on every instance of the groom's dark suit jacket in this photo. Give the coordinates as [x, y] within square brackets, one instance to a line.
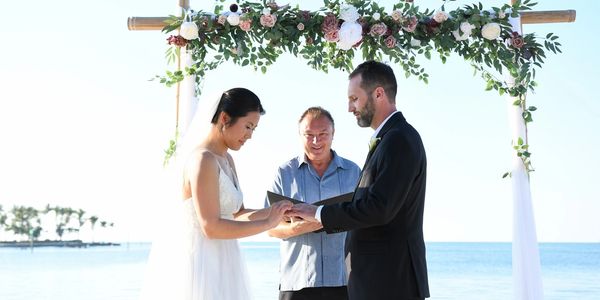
[385, 218]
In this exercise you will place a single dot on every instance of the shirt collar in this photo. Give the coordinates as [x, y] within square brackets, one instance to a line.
[381, 125]
[336, 160]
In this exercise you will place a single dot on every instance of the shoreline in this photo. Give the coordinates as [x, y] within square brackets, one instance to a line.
[51, 243]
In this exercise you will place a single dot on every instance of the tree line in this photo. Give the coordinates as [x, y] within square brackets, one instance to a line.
[29, 222]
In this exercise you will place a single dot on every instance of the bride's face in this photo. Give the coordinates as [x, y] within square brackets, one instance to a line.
[237, 134]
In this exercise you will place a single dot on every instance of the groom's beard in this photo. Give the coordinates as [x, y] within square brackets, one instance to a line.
[365, 116]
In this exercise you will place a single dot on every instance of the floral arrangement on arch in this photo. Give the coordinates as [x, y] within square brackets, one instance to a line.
[256, 33]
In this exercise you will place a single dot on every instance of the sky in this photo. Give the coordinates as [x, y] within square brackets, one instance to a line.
[82, 126]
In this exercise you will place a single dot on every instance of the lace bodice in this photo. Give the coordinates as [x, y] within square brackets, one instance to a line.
[230, 196]
[230, 200]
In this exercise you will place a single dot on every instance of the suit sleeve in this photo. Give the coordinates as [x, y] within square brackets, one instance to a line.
[391, 172]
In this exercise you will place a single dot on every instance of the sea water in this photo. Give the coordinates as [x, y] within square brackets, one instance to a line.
[456, 271]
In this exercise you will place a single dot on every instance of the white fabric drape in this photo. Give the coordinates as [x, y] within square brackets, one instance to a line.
[527, 278]
[187, 100]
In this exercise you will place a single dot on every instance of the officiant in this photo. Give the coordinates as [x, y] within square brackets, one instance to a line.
[312, 263]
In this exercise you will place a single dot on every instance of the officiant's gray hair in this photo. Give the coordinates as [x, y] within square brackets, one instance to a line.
[376, 74]
[317, 112]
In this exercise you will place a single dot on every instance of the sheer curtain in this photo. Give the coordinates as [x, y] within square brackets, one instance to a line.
[527, 275]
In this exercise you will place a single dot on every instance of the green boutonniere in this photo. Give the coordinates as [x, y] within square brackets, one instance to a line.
[373, 143]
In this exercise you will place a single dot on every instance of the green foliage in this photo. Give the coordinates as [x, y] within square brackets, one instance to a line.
[169, 152]
[523, 152]
[261, 46]
[300, 33]
[3, 218]
[27, 221]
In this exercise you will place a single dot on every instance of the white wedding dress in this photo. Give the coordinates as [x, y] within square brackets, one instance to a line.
[186, 265]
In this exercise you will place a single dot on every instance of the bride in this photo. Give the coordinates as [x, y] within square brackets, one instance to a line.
[198, 256]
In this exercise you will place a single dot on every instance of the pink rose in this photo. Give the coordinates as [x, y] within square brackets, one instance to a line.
[305, 15]
[246, 25]
[378, 29]
[332, 36]
[177, 40]
[390, 41]
[309, 41]
[330, 23]
[268, 20]
[441, 16]
[410, 24]
[517, 40]
[397, 16]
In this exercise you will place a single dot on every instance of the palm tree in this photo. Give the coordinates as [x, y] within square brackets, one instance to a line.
[93, 220]
[26, 221]
[3, 218]
[63, 218]
[104, 224]
[81, 220]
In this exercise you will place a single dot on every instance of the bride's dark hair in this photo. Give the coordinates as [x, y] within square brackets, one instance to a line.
[237, 103]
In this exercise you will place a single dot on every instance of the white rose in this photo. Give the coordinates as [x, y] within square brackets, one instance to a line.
[466, 27]
[490, 31]
[376, 16]
[233, 19]
[415, 43]
[266, 11]
[465, 31]
[189, 30]
[349, 13]
[350, 33]
[440, 16]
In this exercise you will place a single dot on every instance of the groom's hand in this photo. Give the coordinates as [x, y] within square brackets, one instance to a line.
[303, 226]
[304, 211]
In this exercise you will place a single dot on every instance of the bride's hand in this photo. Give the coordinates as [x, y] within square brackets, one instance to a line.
[277, 211]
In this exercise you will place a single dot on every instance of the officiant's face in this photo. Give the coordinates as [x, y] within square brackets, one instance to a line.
[360, 103]
[317, 136]
[238, 133]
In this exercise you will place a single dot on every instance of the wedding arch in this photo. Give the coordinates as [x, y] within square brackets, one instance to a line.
[255, 33]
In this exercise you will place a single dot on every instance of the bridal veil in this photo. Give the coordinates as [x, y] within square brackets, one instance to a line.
[183, 264]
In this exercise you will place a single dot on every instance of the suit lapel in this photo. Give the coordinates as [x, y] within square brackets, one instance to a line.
[391, 123]
[395, 119]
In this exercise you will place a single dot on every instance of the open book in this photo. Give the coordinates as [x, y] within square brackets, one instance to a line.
[273, 197]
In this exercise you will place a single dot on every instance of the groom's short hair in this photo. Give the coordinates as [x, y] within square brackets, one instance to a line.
[375, 74]
[317, 112]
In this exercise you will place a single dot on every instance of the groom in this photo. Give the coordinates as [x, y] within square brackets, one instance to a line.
[384, 244]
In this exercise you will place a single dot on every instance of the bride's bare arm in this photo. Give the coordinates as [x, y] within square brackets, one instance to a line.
[204, 185]
[248, 214]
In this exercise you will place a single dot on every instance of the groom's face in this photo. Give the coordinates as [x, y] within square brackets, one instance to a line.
[360, 102]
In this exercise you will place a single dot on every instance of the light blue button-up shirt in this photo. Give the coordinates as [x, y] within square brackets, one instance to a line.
[314, 259]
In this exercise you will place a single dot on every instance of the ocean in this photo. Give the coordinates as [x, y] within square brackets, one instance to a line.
[456, 271]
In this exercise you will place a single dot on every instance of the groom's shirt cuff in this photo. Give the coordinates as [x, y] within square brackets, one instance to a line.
[318, 213]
